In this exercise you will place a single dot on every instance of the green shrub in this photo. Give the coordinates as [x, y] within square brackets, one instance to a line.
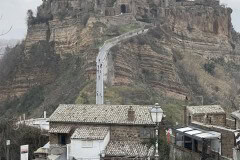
[19, 135]
[210, 68]
[25, 104]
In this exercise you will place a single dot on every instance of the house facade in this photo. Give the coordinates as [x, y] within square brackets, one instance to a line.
[208, 114]
[101, 131]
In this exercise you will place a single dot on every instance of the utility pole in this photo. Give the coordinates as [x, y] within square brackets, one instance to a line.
[8, 145]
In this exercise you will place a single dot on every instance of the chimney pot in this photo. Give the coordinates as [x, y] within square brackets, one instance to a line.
[131, 114]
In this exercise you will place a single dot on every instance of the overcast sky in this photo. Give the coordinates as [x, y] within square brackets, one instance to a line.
[14, 14]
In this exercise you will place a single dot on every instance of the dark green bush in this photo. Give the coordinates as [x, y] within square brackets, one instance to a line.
[210, 68]
[19, 135]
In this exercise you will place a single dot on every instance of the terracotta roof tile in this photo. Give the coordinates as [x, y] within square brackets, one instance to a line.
[90, 132]
[212, 109]
[60, 129]
[105, 114]
[129, 149]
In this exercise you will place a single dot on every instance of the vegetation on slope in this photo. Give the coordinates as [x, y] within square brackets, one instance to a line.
[19, 135]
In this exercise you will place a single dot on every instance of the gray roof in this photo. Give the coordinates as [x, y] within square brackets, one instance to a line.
[211, 109]
[199, 133]
[236, 114]
[129, 149]
[90, 133]
[102, 114]
[60, 129]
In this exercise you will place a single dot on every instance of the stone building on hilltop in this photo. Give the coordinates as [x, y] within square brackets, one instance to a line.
[209, 114]
[95, 131]
[138, 8]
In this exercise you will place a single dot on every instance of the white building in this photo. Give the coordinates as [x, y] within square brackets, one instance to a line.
[87, 132]
[88, 142]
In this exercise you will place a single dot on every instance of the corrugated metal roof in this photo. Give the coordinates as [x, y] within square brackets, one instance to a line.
[128, 148]
[212, 109]
[107, 114]
[185, 129]
[60, 129]
[199, 133]
[209, 135]
[90, 132]
[193, 132]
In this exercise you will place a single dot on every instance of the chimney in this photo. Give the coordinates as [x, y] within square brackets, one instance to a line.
[131, 114]
[44, 114]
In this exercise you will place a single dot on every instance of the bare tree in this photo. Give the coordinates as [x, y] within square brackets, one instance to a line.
[5, 32]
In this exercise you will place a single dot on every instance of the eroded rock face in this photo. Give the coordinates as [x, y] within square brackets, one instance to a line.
[199, 32]
[38, 67]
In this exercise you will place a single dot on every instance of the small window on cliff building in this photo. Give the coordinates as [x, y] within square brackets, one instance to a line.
[107, 13]
[123, 8]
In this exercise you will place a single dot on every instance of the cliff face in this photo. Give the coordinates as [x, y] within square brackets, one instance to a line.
[190, 51]
[171, 57]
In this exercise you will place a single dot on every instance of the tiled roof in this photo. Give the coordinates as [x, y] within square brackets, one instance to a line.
[90, 132]
[212, 109]
[128, 148]
[105, 114]
[60, 129]
[236, 114]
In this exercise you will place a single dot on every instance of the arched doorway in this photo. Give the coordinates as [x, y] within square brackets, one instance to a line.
[123, 8]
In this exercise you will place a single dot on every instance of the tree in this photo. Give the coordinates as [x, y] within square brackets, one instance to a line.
[5, 32]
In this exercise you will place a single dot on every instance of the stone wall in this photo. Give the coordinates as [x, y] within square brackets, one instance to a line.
[217, 119]
[230, 123]
[212, 119]
[182, 153]
[117, 132]
[133, 133]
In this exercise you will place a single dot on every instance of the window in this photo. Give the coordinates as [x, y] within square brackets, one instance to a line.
[62, 139]
[87, 144]
[145, 133]
[123, 8]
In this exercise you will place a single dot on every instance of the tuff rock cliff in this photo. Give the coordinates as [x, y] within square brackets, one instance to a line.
[190, 53]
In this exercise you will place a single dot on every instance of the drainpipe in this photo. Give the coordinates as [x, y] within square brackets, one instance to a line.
[185, 115]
